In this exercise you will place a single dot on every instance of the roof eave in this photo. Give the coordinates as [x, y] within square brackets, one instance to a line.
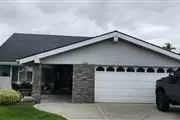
[9, 63]
[128, 38]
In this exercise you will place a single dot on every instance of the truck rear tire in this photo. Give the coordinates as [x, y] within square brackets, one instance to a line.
[162, 101]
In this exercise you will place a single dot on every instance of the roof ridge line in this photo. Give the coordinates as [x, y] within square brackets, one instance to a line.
[17, 33]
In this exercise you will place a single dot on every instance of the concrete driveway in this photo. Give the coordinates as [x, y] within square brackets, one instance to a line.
[109, 111]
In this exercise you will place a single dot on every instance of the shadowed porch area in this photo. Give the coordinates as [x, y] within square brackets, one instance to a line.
[56, 83]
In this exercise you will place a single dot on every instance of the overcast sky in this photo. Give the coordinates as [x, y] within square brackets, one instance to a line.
[153, 21]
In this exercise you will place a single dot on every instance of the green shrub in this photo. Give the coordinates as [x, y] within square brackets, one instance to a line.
[9, 96]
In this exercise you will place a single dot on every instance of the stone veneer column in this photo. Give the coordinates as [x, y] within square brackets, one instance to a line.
[36, 92]
[83, 83]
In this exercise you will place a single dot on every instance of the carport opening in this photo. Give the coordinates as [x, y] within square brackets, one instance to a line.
[57, 81]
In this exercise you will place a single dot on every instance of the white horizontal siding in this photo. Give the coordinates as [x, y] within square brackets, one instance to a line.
[5, 82]
[110, 53]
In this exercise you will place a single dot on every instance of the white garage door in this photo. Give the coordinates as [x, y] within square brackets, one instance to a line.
[127, 84]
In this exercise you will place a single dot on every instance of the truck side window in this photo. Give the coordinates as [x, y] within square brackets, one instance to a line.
[177, 73]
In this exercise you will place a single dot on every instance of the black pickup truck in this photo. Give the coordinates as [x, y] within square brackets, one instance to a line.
[168, 91]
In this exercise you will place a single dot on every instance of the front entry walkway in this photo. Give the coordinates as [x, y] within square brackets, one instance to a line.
[55, 98]
[109, 111]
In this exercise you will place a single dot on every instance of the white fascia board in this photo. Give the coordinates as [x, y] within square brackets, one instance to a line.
[149, 46]
[9, 63]
[67, 48]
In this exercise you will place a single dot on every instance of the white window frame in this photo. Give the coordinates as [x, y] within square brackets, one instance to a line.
[27, 69]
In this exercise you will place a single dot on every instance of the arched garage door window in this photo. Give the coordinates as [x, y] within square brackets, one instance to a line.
[120, 69]
[160, 70]
[110, 69]
[140, 69]
[130, 69]
[100, 68]
[170, 70]
[150, 70]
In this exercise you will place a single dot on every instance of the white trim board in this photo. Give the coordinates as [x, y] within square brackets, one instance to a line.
[9, 63]
[103, 37]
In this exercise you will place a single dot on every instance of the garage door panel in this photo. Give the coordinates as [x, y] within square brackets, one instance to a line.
[121, 91]
[124, 84]
[128, 79]
[125, 99]
[126, 87]
[113, 76]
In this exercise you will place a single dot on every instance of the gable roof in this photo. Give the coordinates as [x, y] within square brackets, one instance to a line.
[113, 34]
[32, 47]
[21, 45]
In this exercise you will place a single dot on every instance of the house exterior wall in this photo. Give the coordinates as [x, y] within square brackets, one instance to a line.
[5, 76]
[83, 84]
[5, 82]
[111, 53]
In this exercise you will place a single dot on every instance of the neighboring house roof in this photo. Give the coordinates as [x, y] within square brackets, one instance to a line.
[114, 34]
[22, 45]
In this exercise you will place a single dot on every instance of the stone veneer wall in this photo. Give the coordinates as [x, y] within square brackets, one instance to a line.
[36, 92]
[83, 83]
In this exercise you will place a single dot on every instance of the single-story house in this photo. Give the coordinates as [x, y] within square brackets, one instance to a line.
[112, 67]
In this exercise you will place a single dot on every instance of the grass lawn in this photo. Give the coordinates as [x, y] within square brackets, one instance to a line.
[25, 112]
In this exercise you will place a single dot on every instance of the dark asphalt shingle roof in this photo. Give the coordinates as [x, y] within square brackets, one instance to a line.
[22, 45]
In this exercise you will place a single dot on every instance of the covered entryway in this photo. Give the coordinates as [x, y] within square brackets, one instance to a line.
[56, 83]
[127, 84]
